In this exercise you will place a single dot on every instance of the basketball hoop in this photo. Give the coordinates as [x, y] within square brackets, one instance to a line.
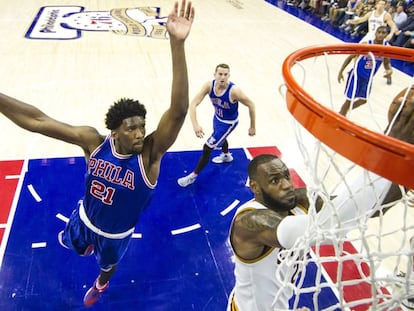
[337, 132]
[337, 152]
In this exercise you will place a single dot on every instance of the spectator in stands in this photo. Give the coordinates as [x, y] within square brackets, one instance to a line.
[410, 41]
[336, 11]
[315, 6]
[325, 6]
[399, 16]
[376, 18]
[402, 35]
[362, 29]
[352, 7]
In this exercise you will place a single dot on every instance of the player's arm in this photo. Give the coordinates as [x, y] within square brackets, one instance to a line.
[344, 65]
[387, 66]
[239, 95]
[403, 127]
[178, 26]
[359, 20]
[32, 119]
[198, 130]
[253, 230]
[393, 27]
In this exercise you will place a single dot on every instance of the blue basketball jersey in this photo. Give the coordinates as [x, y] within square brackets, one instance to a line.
[365, 64]
[117, 189]
[224, 109]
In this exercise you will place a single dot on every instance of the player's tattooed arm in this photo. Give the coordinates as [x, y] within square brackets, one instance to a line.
[259, 226]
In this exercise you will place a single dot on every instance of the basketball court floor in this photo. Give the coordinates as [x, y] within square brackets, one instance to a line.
[72, 59]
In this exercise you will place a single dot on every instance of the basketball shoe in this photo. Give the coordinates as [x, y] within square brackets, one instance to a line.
[93, 294]
[187, 180]
[223, 157]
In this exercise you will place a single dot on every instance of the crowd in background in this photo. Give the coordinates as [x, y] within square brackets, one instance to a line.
[337, 12]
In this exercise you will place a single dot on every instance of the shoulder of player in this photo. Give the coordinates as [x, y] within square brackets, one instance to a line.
[256, 220]
[205, 89]
[236, 93]
[387, 15]
[89, 136]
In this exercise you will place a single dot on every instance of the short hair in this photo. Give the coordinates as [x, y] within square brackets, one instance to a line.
[225, 66]
[123, 109]
[381, 27]
[258, 160]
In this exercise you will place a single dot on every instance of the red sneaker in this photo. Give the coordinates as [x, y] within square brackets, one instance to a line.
[89, 250]
[93, 294]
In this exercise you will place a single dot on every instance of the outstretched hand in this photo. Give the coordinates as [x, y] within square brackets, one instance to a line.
[198, 130]
[403, 127]
[180, 20]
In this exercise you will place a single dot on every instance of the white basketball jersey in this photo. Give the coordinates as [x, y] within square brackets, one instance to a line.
[375, 21]
[256, 284]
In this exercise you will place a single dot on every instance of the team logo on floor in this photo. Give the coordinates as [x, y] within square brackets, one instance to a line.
[68, 22]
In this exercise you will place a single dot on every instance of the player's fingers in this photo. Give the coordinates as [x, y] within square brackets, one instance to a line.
[182, 10]
[190, 12]
[175, 9]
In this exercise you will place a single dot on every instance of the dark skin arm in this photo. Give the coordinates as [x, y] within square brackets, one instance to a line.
[344, 65]
[402, 129]
[254, 231]
[34, 120]
[156, 144]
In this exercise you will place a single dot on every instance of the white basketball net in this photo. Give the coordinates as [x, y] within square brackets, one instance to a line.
[359, 261]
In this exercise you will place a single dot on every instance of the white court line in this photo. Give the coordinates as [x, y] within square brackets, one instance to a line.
[185, 229]
[34, 193]
[12, 177]
[247, 153]
[229, 208]
[137, 235]
[249, 157]
[12, 212]
[2, 226]
[61, 217]
[39, 245]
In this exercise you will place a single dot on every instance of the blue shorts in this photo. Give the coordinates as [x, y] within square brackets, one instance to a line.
[77, 236]
[360, 84]
[221, 129]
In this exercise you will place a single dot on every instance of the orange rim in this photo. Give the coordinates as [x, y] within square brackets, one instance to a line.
[381, 154]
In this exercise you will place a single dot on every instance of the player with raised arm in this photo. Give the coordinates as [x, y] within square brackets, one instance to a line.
[123, 167]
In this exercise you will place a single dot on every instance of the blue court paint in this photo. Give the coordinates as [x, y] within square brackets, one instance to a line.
[160, 271]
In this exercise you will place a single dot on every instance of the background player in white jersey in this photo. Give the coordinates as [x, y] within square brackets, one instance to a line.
[263, 226]
[123, 168]
[359, 81]
[225, 97]
[378, 17]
